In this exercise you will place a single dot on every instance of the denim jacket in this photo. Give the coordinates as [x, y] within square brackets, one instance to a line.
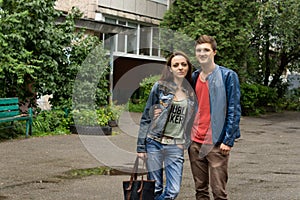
[161, 96]
[225, 108]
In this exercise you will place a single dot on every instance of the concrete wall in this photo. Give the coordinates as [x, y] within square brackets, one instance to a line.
[88, 7]
[146, 8]
[138, 10]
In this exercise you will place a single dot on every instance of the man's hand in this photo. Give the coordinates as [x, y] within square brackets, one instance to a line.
[157, 112]
[225, 149]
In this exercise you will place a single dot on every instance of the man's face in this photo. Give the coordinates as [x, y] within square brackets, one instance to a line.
[204, 53]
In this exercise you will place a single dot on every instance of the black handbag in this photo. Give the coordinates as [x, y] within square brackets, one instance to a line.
[138, 189]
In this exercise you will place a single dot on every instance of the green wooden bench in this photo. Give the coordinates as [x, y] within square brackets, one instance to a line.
[10, 112]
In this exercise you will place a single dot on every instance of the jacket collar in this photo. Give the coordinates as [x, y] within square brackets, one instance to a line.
[170, 87]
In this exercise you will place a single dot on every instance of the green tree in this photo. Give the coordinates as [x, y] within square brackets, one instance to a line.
[17, 64]
[38, 56]
[276, 39]
[257, 39]
[230, 22]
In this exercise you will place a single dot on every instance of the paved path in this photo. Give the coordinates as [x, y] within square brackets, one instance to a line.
[264, 163]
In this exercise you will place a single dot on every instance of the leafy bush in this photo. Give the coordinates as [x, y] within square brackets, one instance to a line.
[47, 122]
[146, 86]
[50, 122]
[90, 89]
[257, 99]
[97, 117]
[292, 100]
[115, 111]
[8, 131]
[138, 105]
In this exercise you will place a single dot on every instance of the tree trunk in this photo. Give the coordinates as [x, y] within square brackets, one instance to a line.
[279, 72]
[267, 62]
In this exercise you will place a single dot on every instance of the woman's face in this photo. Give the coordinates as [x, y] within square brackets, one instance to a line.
[179, 67]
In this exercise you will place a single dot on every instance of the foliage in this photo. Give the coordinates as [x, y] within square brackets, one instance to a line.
[258, 39]
[230, 22]
[136, 107]
[276, 40]
[79, 173]
[91, 84]
[85, 117]
[257, 99]
[51, 122]
[40, 56]
[8, 131]
[292, 100]
[17, 62]
[47, 122]
[97, 117]
[115, 111]
[137, 104]
[146, 86]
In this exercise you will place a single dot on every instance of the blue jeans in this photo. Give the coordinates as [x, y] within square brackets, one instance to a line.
[170, 157]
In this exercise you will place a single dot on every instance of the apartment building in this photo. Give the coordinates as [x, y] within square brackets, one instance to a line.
[127, 29]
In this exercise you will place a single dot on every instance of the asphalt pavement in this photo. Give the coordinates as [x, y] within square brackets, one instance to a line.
[264, 163]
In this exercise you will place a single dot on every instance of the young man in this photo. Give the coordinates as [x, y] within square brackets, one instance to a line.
[216, 123]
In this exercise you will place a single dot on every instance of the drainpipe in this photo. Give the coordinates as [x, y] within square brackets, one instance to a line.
[111, 73]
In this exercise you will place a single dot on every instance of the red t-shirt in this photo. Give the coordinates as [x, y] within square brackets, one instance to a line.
[201, 131]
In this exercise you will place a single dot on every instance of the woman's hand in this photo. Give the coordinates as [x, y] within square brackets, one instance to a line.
[142, 156]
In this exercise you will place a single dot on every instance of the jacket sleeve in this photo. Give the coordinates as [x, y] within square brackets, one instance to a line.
[233, 109]
[146, 119]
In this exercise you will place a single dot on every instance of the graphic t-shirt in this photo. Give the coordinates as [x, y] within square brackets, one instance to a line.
[201, 131]
[175, 124]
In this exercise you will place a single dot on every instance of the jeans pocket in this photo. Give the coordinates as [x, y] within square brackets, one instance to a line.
[149, 140]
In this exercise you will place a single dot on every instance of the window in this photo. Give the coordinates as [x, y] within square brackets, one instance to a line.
[121, 41]
[110, 20]
[145, 40]
[132, 39]
[121, 22]
[140, 40]
[165, 2]
[107, 41]
[121, 38]
[155, 41]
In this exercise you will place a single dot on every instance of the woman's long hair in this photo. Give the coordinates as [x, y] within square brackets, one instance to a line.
[168, 76]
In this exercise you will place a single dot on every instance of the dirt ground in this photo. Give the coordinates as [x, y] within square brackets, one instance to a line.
[264, 163]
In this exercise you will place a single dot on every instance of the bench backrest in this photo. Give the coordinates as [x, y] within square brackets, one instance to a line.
[9, 107]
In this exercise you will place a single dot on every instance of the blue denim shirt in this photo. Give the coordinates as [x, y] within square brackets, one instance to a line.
[225, 108]
[161, 96]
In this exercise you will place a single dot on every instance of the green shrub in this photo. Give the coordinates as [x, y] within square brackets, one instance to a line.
[146, 86]
[138, 104]
[100, 116]
[257, 99]
[50, 122]
[8, 131]
[136, 107]
[292, 101]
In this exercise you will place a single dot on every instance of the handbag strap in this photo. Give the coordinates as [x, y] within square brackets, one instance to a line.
[134, 175]
[135, 169]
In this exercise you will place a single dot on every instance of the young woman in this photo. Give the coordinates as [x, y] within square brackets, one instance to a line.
[163, 130]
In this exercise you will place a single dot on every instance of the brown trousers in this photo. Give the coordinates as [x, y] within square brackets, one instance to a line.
[209, 167]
